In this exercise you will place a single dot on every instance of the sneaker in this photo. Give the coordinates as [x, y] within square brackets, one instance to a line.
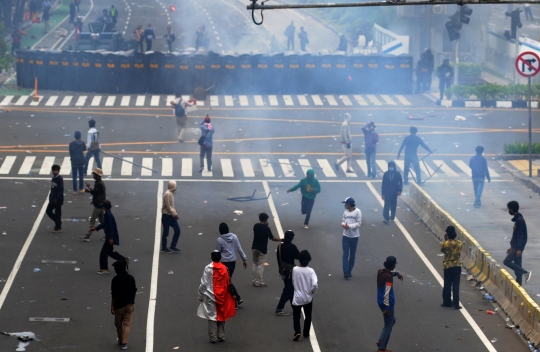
[82, 191]
[385, 222]
[220, 339]
[336, 166]
[240, 302]
[174, 249]
[103, 272]
[180, 141]
[282, 313]
[306, 226]
[75, 192]
[127, 263]
[85, 238]
[446, 305]
[57, 230]
[528, 276]
[123, 347]
[201, 169]
[210, 169]
[457, 307]
[296, 337]
[350, 171]
[260, 284]
[166, 250]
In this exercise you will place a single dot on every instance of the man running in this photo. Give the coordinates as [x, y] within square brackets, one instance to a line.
[309, 187]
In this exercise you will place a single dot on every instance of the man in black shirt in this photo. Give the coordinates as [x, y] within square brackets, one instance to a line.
[56, 199]
[411, 143]
[261, 235]
[286, 254]
[514, 256]
[123, 291]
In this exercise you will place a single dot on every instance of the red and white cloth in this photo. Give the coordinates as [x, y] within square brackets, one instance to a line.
[217, 304]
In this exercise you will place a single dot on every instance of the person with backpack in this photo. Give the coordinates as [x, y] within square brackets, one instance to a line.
[180, 106]
[76, 152]
[92, 142]
[205, 141]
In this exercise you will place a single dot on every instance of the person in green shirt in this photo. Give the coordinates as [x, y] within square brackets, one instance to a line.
[309, 187]
[451, 247]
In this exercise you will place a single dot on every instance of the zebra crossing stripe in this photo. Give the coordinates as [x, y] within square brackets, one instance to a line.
[403, 100]
[427, 170]
[214, 100]
[317, 100]
[374, 100]
[26, 166]
[207, 173]
[67, 100]
[463, 166]
[326, 168]
[7, 100]
[7, 165]
[243, 100]
[247, 168]
[383, 165]
[65, 169]
[226, 168]
[305, 165]
[140, 100]
[258, 100]
[171, 98]
[36, 102]
[331, 100]
[401, 165]
[344, 169]
[127, 167]
[187, 167]
[147, 163]
[445, 168]
[360, 100]
[125, 100]
[96, 101]
[229, 100]
[288, 100]
[363, 166]
[46, 166]
[110, 100]
[90, 167]
[22, 100]
[154, 101]
[345, 100]
[267, 169]
[167, 166]
[493, 173]
[52, 99]
[388, 100]
[302, 100]
[273, 100]
[106, 166]
[81, 100]
[286, 167]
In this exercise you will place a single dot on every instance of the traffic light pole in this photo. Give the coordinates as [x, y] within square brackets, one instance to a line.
[530, 130]
[516, 75]
[456, 60]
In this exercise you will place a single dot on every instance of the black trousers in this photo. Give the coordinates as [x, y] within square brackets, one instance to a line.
[148, 44]
[307, 207]
[287, 294]
[108, 251]
[297, 310]
[515, 263]
[54, 212]
[231, 266]
[451, 284]
[390, 204]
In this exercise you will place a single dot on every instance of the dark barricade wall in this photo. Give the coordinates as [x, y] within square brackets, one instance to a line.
[159, 73]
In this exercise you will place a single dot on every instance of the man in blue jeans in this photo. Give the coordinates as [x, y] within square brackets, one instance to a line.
[411, 143]
[371, 138]
[386, 299]
[351, 221]
[480, 172]
[92, 143]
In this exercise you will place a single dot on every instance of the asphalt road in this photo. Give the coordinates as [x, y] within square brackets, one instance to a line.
[346, 316]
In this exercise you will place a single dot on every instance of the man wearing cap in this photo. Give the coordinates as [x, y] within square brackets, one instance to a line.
[98, 197]
[217, 304]
[351, 221]
[123, 291]
[386, 300]
[451, 247]
[346, 144]
[411, 143]
[286, 254]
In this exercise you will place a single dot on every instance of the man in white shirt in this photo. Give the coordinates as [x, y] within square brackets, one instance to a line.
[92, 143]
[346, 144]
[180, 106]
[305, 285]
[351, 221]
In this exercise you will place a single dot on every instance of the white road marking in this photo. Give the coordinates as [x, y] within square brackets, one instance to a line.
[226, 167]
[436, 274]
[96, 101]
[243, 100]
[147, 162]
[304, 164]
[427, 170]
[140, 100]
[26, 166]
[214, 100]
[67, 100]
[363, 166]
[317, 100]
[167, 166]
[401, 165]
[403, 100]
[150, 317]
[36, 102]
[258, 100]
[463, 167]
[493, 173]
[46, 166]
[331, 100]
[286, 167]
[288, 100]
[344, 169]
[22, 253]
[327, 169]
[345, 99]
[65, 168]
[247, 168]
[187, 167]
[125, 100]
[360, 100]
[22, 100]
[169, 99]
[7, 165]
[273, 100]
[445, 168]
[81, 100]
[110, 100]
[90, 167]
[7, 100]
[206, 173]
[374, 100]
[302, 100]
[266, 167]
[388, 100]
[127, 167]
[106, 166]
[229, 100]
[154, 101]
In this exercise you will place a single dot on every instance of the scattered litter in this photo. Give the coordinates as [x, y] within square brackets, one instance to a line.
[490, 312]
[470, 277]
[4, 233]
[440, 255]
[329, 274]
[460, 118]
[205, 201]
[170, 272]
[33, 206]
[285, 204]
[238, 212]
[37, 270]
[67, 135]
[77, 269]
[135, 260]
[176, 348]
[200, 233]
[233, 219]
[494, 340]
[462, 193]
[489, 298]
[266, 264]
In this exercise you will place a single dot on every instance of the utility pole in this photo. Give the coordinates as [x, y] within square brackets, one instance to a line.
[456, 67]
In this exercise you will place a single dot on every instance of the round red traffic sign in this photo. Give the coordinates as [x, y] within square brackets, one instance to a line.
[528, 64]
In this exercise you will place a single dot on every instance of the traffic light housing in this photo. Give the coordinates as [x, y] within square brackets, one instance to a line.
[465, 12]
[515, 23]
[456, 22]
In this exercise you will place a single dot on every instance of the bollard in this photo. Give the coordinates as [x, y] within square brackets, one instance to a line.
[36, 97]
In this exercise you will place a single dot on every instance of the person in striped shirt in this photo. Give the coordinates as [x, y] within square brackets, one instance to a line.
[387, 300]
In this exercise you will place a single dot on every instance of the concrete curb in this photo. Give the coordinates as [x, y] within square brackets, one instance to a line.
[511, 104]
[532, 184]
[513, 299]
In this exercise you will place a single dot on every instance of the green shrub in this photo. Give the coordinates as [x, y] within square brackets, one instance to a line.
[521, 148]
[494, 92]
[470, 70]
